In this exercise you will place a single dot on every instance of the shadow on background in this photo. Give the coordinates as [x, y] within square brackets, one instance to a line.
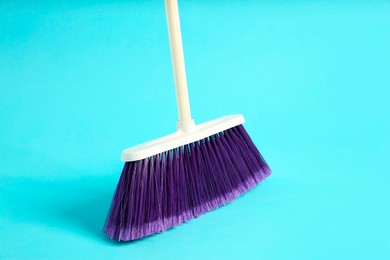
[78, 205]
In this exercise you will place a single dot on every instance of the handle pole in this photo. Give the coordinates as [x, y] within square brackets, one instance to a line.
[179, 71]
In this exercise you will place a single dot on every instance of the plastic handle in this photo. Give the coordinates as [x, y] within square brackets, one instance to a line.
[179, 71]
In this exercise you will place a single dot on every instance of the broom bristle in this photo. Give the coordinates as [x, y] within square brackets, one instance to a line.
[167, 189]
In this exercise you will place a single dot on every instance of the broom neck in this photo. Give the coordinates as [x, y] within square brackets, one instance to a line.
[179, 72]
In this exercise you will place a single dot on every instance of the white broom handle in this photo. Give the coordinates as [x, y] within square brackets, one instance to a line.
[179, 71]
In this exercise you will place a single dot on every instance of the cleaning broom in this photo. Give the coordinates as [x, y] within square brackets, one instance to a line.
[173, 179]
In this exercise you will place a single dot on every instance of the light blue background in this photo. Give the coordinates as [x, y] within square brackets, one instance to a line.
[80, 82]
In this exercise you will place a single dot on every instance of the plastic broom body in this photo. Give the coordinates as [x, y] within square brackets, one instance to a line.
[170, 180]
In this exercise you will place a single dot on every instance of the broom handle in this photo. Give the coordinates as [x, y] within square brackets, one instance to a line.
[179, 71]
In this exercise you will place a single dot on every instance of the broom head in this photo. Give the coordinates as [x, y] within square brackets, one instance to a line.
[173, 179]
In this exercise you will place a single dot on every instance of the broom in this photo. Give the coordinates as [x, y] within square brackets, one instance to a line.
[173, 179]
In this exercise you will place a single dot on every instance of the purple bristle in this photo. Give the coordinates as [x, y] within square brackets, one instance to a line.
[167, 189]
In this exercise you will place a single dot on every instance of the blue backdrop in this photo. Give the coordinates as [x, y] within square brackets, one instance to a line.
[82, 80]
